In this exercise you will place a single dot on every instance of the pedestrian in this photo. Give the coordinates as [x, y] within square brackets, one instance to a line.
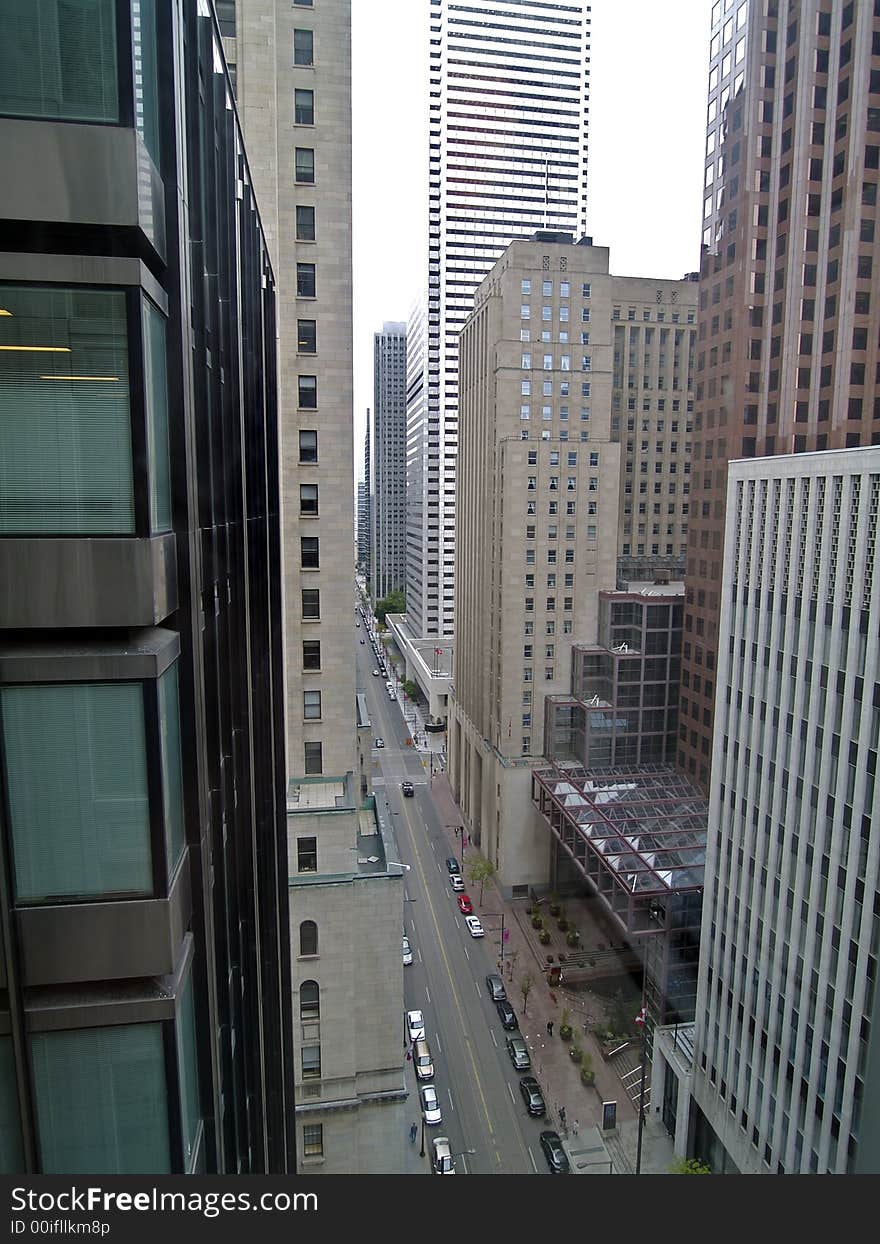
[413, 1132]
[549, 1027]
[574, 1128]
[562, 1114]
[409, 1056]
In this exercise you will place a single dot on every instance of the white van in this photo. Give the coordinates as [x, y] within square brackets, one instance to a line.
[424, 1064]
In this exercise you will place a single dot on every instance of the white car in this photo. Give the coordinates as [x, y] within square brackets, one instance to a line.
[391, 695]
[415, 1023]
[389, 685]
[456, 882]
[407, 952]
[443, 1162]
[430, 1104]
[474, 927]
[375, 673]
[378, 742]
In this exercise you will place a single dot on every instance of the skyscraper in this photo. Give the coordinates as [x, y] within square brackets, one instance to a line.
[575, 387]
[144, 1000]
[507, 155]
[389, 460]
[786, 1072]
[365, 511]
[789, 315]
[293, 80]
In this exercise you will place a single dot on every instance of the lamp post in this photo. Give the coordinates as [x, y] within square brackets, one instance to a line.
[501, 914]
[422, 1150]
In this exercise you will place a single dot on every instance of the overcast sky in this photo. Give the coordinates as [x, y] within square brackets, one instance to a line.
[649, 65]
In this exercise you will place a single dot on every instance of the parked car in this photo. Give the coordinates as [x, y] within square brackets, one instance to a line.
[532, 1096]
[415, 1023]
[391, 695]
[554, 1153]
[465, 906]
[474, 927]
[452, 864]
[407, 952]
[495, 985]
[378, 742]
[443, 1161]
[519, 1054]
[456, 882]
[430, 1104]
[407, 789]
[506, 1014]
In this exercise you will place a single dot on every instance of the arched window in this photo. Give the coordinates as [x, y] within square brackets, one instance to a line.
[308, 938]
[309, 1000]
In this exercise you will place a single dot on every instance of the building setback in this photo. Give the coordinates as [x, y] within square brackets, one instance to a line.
[789, 317]
[293, 76]
[144, 999]
[389, 460]
[575, 388]
[507, 155]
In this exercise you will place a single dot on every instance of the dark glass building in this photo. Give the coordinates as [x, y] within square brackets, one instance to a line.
[145, 1011]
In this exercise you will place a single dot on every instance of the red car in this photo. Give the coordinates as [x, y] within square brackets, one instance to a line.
[465, 906]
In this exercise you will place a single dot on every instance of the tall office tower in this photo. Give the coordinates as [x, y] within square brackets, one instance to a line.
[293, 81]
[553, 493]
[389, 460]
[365, 512]
[146, 1012]
[507, 155]
[788, 320]
[786, 1067]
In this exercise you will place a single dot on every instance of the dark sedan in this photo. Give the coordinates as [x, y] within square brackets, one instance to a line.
[554, 1153]
[506, 1014]
[532, 1096]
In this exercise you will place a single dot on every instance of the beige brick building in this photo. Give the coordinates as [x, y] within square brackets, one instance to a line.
[292, 69]
[573, 472]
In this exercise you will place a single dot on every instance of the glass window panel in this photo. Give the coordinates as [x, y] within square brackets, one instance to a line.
[172, 777]
[102, 1101]
[65, 430]
[156, 393]
[187, 1057]
[146, 104]
[76, 777]
[58, 59]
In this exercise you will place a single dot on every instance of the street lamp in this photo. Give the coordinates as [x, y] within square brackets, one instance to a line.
[397, 864]
[495, 913]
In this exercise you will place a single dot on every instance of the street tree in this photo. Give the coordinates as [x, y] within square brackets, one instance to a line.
[480, 869]
[525, 988]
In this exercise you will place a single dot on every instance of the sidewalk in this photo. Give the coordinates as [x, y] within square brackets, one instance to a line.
[590, 1150]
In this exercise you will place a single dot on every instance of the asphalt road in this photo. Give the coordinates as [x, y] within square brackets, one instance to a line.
[475, 1081]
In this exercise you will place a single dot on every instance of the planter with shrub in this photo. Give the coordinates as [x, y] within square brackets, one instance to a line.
[588, 1075]
[544, 937]
[537, 920]
[576, 1053]
[572, 937]
[565, 1029]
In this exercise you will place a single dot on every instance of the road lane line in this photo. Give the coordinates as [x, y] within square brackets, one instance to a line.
[510, 1091]
[452, 985]
[532, 1158]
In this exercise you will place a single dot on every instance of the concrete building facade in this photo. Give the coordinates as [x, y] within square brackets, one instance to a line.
[554, 485]
[293, 81]
[789, 318]
[508, 121]
[364, 515]
[389, 461]
[786, 1070]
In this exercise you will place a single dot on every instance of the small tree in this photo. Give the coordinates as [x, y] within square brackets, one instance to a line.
[690, 1166]
[525, 988]
[394, 602]
[480, 869]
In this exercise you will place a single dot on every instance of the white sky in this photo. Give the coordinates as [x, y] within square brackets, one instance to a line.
[649, 66]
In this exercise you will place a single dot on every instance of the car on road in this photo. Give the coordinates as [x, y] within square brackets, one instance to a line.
[378, 742]
[375, 673]
[430, 1104]
[474, 927]
[532, 1096]
[407, 952]
[415, 1024]
[506, 1014]
[519, 1054]
[362, 641]
[495, 985]
[391, 695]
[554, 1153]
[407, 789]
[357, 624]
[452, 864]
[443, 1162]
[465, 906]
[456, 882]
[389, 685]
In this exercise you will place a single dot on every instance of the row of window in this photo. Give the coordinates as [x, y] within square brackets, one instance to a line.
[547, 288]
